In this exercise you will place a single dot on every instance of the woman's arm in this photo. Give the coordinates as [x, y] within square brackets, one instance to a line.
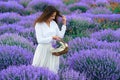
[63, 29]
[39, 36]
[62, 32]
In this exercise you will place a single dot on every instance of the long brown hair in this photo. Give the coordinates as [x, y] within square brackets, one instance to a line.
[48, 11]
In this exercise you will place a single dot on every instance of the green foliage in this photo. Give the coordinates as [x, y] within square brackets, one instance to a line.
[69, 2]
[79, 28]
[116, 10]
[28, 11]
[109, 24]
[82, 8]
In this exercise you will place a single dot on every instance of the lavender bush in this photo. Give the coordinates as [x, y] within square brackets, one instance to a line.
[1, 24]
[9, 18]
[108, 20]
[66, 2]
[24, 2]
[28, 11]
[89, 2]
[107, 17]
[116, 1]
[20, 30]
[70, 74]
[9, 0]
[102, 3]
[14, 55]
[26, 23]
[107, 35]
[98, 64]
[27, 73]
[15, 39]
[7, 7]
[79, 6]
[31, 17]
[78, 44]
[110, 24]
[78, 24]
[29, 34]
[39, 5]
[99, 10]
[10, 28]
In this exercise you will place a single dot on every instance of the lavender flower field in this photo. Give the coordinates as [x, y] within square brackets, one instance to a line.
[93, 36]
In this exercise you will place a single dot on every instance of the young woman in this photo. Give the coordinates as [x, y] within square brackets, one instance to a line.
[47, 31]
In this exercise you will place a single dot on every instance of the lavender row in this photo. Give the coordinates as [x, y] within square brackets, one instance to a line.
[15, 39]
[14, 55]
[78, 44]
[97, 64]
[27, 7]
[108, 35]
[27, 73]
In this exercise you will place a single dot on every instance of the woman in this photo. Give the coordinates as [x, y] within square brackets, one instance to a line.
[47, 31]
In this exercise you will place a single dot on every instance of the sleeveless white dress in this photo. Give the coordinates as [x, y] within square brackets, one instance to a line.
[43, 56]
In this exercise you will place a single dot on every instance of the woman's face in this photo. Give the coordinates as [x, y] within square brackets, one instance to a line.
[52, 16]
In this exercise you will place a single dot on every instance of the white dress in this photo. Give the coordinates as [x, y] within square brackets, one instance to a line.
[43, 56]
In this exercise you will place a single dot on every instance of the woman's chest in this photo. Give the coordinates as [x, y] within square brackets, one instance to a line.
[48, 31]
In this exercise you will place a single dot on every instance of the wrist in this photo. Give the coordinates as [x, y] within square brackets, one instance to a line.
[53, 37]
[64, 24]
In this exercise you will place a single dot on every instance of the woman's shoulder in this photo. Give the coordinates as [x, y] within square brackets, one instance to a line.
[53, 22]
[39, 25]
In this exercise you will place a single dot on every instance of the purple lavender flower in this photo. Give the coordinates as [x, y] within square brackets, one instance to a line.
[102, 3]
[27, 73]
[79, 17]
[28, 20]
[86, 15]
[78, 6]
[69, 75]
[116, 1]
[78, 25]
[99, 10]
[39, 5]
[29, 34]
[7, 7]
[97, 64]
[15, 39]
[31, 17]
[78, 44]
[107, 35]
[20, 30]
[9, 0]
[10, 28]
[109, 17]
[9, 18]
[14, 55]
[88, 1]
[26, 23]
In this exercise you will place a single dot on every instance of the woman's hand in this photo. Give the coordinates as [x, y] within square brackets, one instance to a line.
[64, 20]
[56, 38]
